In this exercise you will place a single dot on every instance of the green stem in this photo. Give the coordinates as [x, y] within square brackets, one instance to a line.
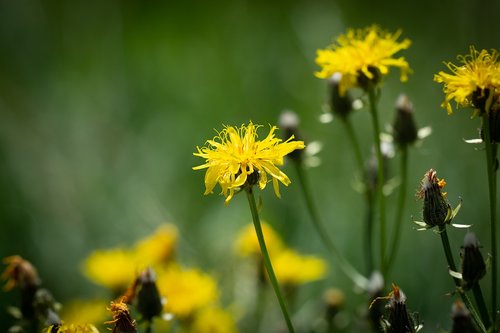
[354, 142]
[368, 231]
[344, 265]
[149, 326]
[267, 260]
[481, 305]
[451, 264]
[380, 173]
[396, 237]
[491, 163]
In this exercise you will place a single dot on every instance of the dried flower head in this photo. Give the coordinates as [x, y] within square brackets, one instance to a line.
[362, 56]
[122, 320]
[436, 209]
[19, 273]
[235, 158]
[475, 82]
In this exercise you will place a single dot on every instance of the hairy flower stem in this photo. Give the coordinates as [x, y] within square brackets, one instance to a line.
[491, 165]
[451, 264]
[358, 279]
[481, 305]
[265, 257]
[396, 237]
[372, 96]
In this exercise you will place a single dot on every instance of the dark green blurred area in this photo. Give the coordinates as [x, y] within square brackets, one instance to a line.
[103, 102]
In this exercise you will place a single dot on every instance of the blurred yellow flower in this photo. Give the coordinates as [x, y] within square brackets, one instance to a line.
[235, 157]
[85, 311]
[72, 328]
[247, 244]
[186, 290]
[213, 320]
[362, 54]
[292, 268]
[159, 247]
[114, 268]
[474, 81]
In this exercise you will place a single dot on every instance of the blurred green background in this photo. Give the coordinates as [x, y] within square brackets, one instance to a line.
[103, 102]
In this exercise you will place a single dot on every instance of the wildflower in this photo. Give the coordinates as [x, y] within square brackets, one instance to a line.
[436, 211]
[247, 244]
[235, 158]
[462, 322]
[473, 265]
[122, 321]
[72, 328]
[475, 82]
[114, 268]
[362, 57]
[399, 320]
[292, 268]
[159, 247]
[186, 290]
[404, 128]
[84, 311]
[213, 319]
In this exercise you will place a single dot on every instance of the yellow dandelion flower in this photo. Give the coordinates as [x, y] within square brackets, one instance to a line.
[186, 290]
[362, 54]
[247, 243]
[113, 268]
[235, 157]
[85, 311]
[159, 247]
[293, 269]
[214, 320]
[71, 328]
[474, 82]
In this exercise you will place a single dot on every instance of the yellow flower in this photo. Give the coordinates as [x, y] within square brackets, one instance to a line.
[292, 268]
[235, 157]
[159, 247]
[186, 290]
[85, 311]
[247, 244]
[72, 328]
[362, 54]
[113, 268]
[214, 320]
[475, 79]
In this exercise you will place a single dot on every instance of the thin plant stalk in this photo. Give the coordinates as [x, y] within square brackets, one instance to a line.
[380, 173]
[451, 264]
[481, 304]
[354, 142]
[396, 237]
[267, 260]
[344, 265]
[491, 165]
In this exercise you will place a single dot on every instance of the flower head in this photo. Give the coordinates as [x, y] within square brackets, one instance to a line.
[71, 328]
[158, 247]
[122, 321]
[247, 243]
[294, 269]
[474, 82]
[213, 319]
[361, 55]
[235, 157]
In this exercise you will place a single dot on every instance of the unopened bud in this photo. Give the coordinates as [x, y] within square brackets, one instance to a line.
[122, 321]
[436, 207]
[399, 320]
[149, 302]
[473, 265]
[405, 129]
[462, 322]
[339, 104]
[334, 300]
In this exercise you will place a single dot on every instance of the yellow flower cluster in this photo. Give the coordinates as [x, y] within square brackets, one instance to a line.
[362, 53]
[236, 156]
[71, 328]
[291, 268]
[476, 80]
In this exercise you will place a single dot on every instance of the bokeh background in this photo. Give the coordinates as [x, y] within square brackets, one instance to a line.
[103, 102]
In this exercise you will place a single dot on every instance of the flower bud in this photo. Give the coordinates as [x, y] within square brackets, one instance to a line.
[462, 322]
[404, 127]
[289, 124]
[122, 321]
[340, 105]
[334, 300]
[149, 302]
[436, 208]
[45, 307]
[399, 320]
[473, 265]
